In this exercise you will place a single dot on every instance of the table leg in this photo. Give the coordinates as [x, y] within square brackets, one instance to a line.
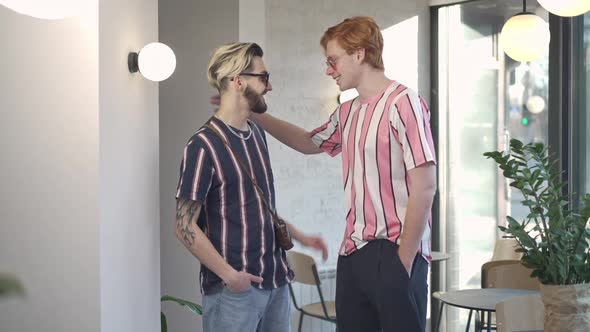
[442, 304]
[468, 321]
[489, 321]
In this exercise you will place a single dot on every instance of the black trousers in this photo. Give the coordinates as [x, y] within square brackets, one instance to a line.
[375, 293]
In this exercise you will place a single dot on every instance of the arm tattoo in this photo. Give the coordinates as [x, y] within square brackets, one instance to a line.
[186, 219]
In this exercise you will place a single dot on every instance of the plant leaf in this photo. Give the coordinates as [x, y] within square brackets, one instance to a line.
[163, 323]
[193, 307]
[10, 285]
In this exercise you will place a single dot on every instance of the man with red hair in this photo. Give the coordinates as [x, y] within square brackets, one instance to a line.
[389, 169]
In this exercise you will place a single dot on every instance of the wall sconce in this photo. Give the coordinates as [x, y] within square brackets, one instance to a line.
[155, 61]
[525, 36]
[566, 8]
[44, 9]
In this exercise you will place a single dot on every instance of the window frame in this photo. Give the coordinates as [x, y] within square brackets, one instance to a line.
[566, 93]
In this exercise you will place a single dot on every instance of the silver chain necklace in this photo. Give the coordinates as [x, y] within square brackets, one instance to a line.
[236, 134]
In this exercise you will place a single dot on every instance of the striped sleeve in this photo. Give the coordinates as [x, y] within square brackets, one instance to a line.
[410, 119]
[196, 173]
[327, 136]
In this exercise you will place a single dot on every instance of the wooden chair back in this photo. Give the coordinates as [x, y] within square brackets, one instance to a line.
[505, 249]
[304, 267]
[507, 274]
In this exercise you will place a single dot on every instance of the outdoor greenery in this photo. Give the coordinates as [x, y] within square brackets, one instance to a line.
[554, 237]
[193, 307]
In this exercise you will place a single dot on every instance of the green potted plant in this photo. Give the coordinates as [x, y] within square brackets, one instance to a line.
[192, 307]
[10, 285]
[554, 237]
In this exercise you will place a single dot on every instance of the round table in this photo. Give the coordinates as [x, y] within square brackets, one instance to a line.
[439, 256]
[484, 299]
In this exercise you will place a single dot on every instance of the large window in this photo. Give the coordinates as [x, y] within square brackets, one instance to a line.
[582, 132]
[484, 99]
[481, 99]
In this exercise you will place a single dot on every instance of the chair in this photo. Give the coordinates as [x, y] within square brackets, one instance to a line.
[505, 249]
[505, 274]
[306, 273]
[520, 313]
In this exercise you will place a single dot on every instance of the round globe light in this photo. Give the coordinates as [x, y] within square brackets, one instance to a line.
[566, 8]
[46, 9]
[535, 104]
[347, 95]
[525, 37]
[156, 61]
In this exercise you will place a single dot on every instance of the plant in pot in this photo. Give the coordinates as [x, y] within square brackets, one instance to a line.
[554, 237]
[192, 307]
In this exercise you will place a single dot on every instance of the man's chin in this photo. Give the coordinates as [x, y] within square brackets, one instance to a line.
[262, 109]
[259, 110]
[343, 87]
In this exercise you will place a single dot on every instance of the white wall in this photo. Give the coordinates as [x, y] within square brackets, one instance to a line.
[129, 169]
[253, 21]
[193, 29]
[79, 186]
[49, 176]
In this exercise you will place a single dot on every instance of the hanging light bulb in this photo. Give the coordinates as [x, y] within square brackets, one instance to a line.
[535, 104]
[46, 9]
[525, 36]
[566, 8]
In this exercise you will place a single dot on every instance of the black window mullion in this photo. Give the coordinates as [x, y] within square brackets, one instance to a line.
[578, 112]
[560, 98]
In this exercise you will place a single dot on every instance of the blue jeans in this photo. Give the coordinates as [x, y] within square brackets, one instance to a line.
[255, 310]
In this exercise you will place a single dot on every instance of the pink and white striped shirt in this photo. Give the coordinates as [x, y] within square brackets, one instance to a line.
[381, 139]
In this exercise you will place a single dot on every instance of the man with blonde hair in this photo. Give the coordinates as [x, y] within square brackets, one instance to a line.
[225, 212]
[388, 162]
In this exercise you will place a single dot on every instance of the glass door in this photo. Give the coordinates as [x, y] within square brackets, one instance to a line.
[484, 99]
